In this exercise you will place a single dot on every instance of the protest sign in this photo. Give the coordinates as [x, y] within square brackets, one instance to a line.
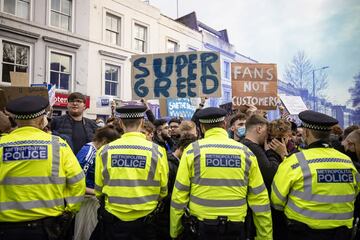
[10, 93]
[180, 107]
[103, 101]
[254, 84]
[19, 79]
[293, 104]
[176, 75]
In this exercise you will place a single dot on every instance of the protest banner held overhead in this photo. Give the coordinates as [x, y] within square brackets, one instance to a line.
[254, 84]
[176, 75]
[180, 107]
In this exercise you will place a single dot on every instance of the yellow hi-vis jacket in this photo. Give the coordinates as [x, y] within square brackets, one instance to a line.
[317, 187]
[218, 176]
[39, 176]
[132, 173]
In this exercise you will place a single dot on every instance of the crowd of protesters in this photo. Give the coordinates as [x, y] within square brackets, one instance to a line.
[269, 141]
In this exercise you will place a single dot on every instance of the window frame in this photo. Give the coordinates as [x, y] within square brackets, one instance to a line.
[226, 71]
[147, 36]
[30, 62]
[72, 74]
[177, 45]
[103, 80]
[120, 26]
[72, 16]
[2, 5]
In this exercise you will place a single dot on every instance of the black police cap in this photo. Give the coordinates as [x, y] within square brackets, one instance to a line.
[28, 107]
[131, 111]
[317, 121]
[211, 115]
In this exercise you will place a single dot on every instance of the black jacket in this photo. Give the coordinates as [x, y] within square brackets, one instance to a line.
[268, 167]
[63, 126]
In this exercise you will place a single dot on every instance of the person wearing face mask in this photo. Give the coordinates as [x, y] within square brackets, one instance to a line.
[237, 126]
[41, 182]
[316, 187]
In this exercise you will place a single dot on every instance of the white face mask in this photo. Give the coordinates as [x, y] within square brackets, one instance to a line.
[100, 124]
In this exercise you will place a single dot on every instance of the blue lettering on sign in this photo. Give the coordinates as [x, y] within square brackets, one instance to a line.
[334, 176]
[128, 161]
[16, 153]
[207, 59]
[223, 160]
[139, 89]
[180, 73]
[105, 102]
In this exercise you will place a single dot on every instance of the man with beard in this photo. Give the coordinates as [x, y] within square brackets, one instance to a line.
[162, 136]
[174, 129]
[73, 127]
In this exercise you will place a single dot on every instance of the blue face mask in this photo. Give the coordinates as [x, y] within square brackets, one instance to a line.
[241, 132]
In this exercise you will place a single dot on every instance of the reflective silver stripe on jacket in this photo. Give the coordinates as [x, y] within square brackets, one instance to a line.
[181, 187]
[244, 148]
[133, 200]
[74, 200]
[260, 208]
[104, 158]
[75, 178]
[217, 203]
[55, 155]
[257, 190]
[197, 179]
[132, 183]
[179, 206]
[30, 142]
[33, 180]
[25, 205]
[307, 193]
[277, 193]
[319, 215]
[321, 160]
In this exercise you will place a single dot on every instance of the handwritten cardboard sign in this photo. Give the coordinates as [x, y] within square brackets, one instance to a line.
[254, 84]
[180, 107]
[10, 93]
[19, 79]
[176, 75]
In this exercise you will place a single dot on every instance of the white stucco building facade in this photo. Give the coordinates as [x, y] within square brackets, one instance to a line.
[85, 46]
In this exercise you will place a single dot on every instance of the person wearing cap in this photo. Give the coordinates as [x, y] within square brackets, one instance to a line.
[41, 181]
[216, 179]
[131, 176]
[317, 186]
[76, 129]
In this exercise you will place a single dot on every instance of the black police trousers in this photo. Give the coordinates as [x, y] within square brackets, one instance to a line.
[110, 227]
[22, 231]
[300, 231]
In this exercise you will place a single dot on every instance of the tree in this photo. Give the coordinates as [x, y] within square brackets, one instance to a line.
[321, 83]
[299, 73]
[355, 97]
[298, 70]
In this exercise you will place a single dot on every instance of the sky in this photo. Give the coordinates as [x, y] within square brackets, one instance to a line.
[274, 31]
